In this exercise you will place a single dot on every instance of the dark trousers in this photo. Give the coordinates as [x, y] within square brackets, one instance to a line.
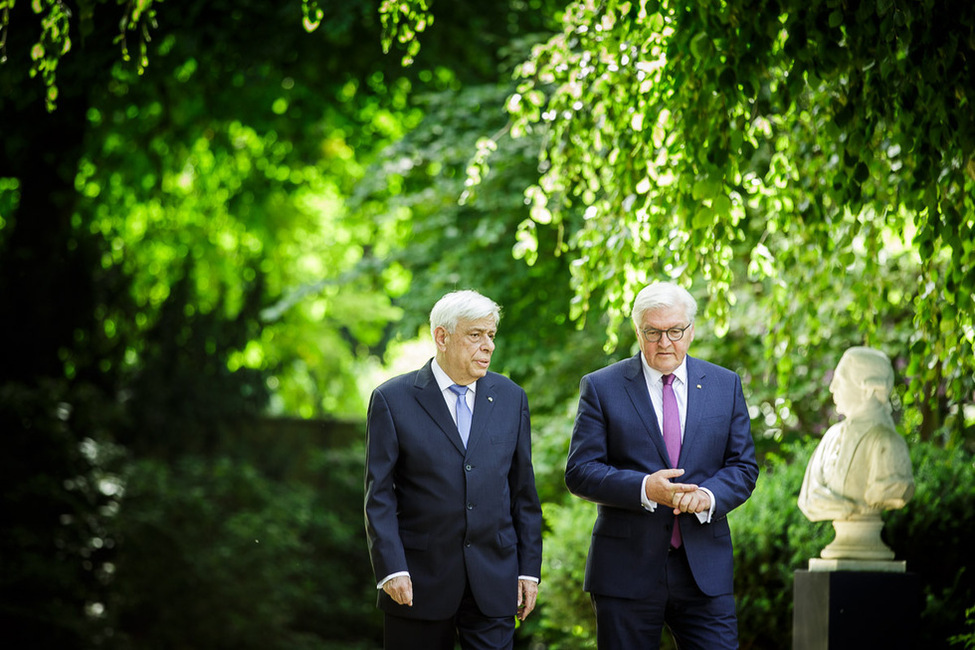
[474, 630]
[696, 621]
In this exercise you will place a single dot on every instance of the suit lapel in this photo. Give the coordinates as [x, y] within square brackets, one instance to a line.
[484, 402]
[636, 388]
[431, 399]
[697, 390]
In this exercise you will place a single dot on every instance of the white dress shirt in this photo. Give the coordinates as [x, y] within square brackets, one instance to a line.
[449, 396]
[655, 386]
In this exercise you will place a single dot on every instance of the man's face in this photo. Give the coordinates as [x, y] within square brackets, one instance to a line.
[665, 355]
[465, 353]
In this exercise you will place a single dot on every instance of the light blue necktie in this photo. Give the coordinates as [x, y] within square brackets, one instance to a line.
[463, 412]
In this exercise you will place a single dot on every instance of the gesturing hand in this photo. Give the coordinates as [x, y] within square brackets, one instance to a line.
[660, 488]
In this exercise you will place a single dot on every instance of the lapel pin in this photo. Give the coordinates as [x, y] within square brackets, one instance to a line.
[490, 399]
[699, 385]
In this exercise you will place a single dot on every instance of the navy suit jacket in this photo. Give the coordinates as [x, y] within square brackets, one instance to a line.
[617, 441]
[441, 511]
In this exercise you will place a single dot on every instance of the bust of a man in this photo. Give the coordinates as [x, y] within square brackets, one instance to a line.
[862, 465]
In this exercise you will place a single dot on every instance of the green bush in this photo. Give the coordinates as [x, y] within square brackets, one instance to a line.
[967, 640]
[935, 533]
[51, 550]
[772, 540]
[565, 612]
[212, 554]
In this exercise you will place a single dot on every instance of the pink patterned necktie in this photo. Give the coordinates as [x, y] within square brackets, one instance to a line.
[672, 439]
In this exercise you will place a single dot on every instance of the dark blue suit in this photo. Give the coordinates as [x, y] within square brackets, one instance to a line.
[617, 441]
[449, 515]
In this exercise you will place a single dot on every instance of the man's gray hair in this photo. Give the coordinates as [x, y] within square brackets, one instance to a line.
[662, 295]
[458, 305]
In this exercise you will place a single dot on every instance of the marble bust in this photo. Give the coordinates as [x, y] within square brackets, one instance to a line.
[862, 465]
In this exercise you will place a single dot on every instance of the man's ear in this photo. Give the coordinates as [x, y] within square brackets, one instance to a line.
[440, 338]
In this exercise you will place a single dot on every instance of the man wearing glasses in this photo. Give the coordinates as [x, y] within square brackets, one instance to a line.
[662, 443]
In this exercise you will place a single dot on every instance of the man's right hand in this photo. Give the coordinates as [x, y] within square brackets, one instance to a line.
[660, 488]
[400, 589]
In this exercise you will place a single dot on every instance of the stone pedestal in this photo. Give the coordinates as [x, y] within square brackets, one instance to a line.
[858, 538]
[854, 610]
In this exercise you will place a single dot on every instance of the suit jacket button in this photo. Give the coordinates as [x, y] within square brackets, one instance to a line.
[467, 543]
[470, 506]
[468, 467]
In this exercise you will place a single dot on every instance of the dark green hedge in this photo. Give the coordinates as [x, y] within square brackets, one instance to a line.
[211, 554]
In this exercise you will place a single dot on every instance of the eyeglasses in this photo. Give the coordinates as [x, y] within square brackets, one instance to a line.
[674, 333]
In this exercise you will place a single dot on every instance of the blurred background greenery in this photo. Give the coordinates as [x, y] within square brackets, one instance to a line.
[222, 223]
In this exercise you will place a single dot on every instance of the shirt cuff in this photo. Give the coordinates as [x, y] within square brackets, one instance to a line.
[705, 517]
[644, 501]
[531, 578]
[391, 576]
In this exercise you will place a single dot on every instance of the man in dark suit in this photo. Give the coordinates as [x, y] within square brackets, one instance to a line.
[452, 515]
[661, 549]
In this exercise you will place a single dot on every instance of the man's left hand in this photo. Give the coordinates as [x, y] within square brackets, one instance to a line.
[692, 502]
[527, 595]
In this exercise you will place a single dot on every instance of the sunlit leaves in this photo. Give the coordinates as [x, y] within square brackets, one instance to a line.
[57, 20]
[229, 208]
[478, 168]
[403, 21]
[54, 42]
[139, 19]
[802, 137]
[311, 15]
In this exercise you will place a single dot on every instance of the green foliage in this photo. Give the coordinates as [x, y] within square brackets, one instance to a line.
[403, 21]
[933, 533]
[817, 144]
[312, 15]
[551, 432]
[183, 355]
[58, 20]
[232, 209]
[253, 561]
[567, 619]
[966, 640]
[230, 190]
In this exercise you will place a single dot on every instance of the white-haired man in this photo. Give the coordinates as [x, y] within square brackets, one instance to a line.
[452, 515]
[662, 443]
